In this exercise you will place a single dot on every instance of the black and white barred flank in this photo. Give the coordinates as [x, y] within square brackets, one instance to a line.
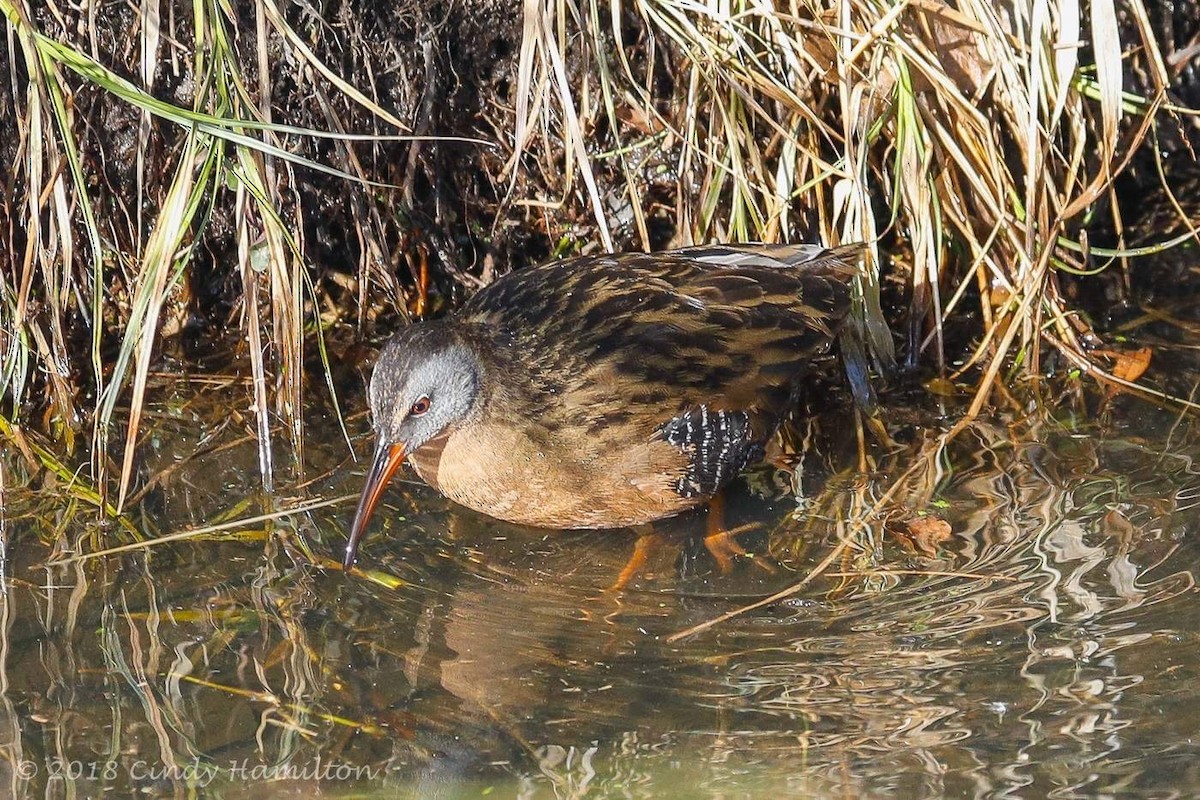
[719, 445]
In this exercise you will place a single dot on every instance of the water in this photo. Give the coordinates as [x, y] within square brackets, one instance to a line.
[1046, 649]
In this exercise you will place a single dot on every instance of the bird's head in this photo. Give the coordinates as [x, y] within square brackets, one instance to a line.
[425, 382]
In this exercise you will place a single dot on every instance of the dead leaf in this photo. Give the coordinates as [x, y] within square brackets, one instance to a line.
[927, 533]
[1116, 525]
[941, 387]
[1127, 366]
[635, 117]
[954, 38]
[1131, 366]
[922, 535]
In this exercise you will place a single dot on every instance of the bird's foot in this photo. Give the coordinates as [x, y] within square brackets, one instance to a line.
[723, 546]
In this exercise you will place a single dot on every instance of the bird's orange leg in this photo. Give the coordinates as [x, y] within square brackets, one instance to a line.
[719, 541]
[648, 541]
[722, 543]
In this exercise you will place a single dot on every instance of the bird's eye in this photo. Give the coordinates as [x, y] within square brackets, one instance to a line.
[419, 407]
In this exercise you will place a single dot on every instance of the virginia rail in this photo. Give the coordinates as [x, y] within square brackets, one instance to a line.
[605, 391]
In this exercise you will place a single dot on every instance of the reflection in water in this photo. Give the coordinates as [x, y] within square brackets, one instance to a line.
[1046, 650]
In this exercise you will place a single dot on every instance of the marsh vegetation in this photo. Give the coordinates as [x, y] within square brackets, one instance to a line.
[211, 215]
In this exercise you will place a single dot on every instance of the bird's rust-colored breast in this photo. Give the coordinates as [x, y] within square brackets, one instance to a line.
[501, 471]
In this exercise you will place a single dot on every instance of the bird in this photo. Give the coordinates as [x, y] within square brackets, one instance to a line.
[605, 391]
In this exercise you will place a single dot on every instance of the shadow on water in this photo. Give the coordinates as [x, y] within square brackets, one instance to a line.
[1045, 649]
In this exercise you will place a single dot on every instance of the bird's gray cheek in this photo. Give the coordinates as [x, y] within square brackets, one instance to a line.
[396, 423]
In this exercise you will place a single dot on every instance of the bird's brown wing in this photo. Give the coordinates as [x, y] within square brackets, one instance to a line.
[701, 348]
[718, 325]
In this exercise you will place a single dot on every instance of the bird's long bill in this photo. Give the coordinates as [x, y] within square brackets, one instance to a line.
[387, 459]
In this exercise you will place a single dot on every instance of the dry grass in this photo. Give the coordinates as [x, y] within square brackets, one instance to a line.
[968, 143]
[976, 138]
